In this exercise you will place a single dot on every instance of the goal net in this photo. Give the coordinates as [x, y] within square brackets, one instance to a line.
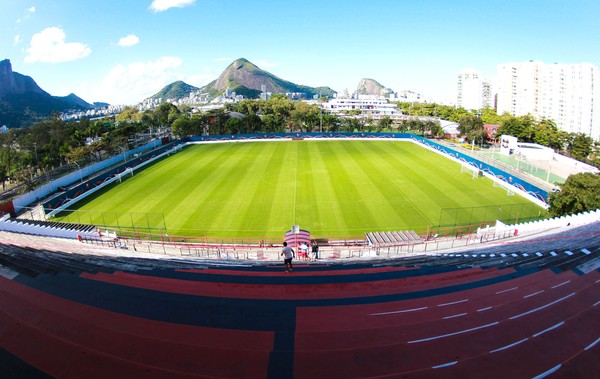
[474, 172]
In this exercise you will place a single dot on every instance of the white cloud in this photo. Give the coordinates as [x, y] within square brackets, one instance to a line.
[130, 40]
[49, 46]
[223, 59]
[29, 11]
[17, 39]
[132, 83]
[163, 5]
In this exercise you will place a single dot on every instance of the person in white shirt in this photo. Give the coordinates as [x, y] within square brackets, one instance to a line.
[288, 254]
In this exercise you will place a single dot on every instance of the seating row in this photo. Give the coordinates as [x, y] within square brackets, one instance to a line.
[47, 229]
[392, 238]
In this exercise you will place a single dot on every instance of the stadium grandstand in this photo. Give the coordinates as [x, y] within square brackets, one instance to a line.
[507, 300]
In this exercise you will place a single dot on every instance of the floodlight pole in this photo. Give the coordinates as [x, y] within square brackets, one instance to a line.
[320, 114]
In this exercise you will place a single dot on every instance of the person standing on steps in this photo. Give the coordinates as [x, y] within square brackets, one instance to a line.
[303, 251]
[288, 254]
[315, 250]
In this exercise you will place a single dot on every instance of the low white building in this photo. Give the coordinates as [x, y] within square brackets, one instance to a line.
[376, 108]
[510, 145]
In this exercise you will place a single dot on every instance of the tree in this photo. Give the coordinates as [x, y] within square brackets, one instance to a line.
[489, 116]
[521, 127]
[331, 123]
[129, 114]
[181, 127]
[304, 117]
[3, 176]
[384, 123]
[579, 193]
[77, 154]
[436, 129]
[472, 127]
[581, 146]
[234, 126]
[165, 114]
[545, 132]
[351, 124]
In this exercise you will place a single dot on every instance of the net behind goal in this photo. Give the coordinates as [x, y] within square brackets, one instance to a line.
[473, 171]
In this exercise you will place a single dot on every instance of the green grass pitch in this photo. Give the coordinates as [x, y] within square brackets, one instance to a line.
[334, 188]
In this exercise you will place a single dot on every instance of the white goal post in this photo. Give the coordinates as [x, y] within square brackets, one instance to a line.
[470, 170]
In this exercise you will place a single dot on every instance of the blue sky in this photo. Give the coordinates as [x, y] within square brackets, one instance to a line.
[124, 51]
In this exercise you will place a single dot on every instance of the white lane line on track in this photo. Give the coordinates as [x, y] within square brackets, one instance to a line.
[542, 307]
[510, 289]
[545, 374]
[533, 294]
[596, 303]
[553, 254]
[453, 316]
[592, 344]
[454, 302]
[509, 346]
[568, 252]
[548, 329]
[455, 333]
[446, 364]
[586, 251]
[484, 309]
[560, 284]
[597, 281]
[402, 311]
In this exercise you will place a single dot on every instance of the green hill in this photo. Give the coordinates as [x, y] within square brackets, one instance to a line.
[245, 78]
[175, 90]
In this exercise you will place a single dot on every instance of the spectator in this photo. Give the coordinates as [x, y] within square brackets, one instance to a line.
[288, 254]
[315, 250]
[304, 251]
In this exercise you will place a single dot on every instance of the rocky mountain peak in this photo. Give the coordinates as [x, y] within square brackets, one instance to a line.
[7, 80]
[15, 83]
[372, 87]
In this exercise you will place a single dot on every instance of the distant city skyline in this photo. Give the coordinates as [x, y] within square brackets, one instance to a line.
[122, 52]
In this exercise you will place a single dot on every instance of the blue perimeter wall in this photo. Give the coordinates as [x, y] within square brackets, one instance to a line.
[500, 174]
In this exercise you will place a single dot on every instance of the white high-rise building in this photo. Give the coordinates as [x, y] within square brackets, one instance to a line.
[473, 91]
[568, 94]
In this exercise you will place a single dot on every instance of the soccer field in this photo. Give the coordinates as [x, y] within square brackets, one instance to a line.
[333, 188]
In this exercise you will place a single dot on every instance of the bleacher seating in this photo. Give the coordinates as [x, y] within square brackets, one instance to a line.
[48, 228]
[395, 238]
[458, 313]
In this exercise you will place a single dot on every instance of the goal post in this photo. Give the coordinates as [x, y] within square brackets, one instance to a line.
[473, 171]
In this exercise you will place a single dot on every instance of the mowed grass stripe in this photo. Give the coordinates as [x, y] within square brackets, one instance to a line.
[385, 186]
[260, 191]
[200, 195]
[419, 172]
[280, 189]
[223, 197]
[326, 216]
[332, 188]
[235, 192]
[352, 188]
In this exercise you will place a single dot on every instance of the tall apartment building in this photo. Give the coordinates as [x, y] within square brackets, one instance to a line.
[568, 94]
[473, 91]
